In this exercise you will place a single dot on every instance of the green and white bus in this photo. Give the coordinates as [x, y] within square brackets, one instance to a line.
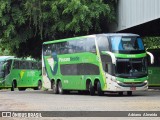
[154, 69]
[96, 63]
[20, 73]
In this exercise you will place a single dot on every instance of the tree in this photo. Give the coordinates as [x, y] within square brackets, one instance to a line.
[26, 24]
[152, 42]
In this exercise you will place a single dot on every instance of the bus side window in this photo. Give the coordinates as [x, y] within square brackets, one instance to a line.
[80, 46]
[27, 65]
[34, 65]
[8, 67]
[103, 44]
[22, 65]
[15, 65]
[72, 46]
[90, 45]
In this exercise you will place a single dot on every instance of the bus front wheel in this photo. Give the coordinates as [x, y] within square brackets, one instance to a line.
[13, 86]
[39, 87]
[99, 91]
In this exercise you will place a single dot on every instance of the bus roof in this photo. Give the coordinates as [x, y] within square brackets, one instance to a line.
[106, 34]
[3, 58]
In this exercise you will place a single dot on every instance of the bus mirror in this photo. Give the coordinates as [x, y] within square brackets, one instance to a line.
[112, 56]
[151, 57]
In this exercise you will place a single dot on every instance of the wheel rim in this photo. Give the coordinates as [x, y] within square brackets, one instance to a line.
[60, 87]
[54, 88]
[39, 85]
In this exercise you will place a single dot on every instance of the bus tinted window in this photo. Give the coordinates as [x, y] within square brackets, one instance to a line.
[90, 45]
[69, 47]
[27, 65]
[63, 48]
[72, 46]
[126, 43]
[69, 69]
[47, 49]
[80, 46]
[103, 43]
[16, 65]
[79, 69]
[34, 65]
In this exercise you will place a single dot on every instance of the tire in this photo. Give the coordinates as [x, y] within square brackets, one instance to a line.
[39, 87]
[129, 93]
[91, 89]
[13, 86]
[21, 89]
[60, 89]
[55, 89]
[120, 93]
[99, 91]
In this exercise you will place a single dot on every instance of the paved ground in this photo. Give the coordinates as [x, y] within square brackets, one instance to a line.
[46, 101]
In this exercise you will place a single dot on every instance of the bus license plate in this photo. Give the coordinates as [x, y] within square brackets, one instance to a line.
[133, 88]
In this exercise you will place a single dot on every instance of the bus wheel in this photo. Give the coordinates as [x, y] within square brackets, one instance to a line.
[120, 93]
[99, 91]
[91, 89]
[129, 93]
[55, 89]
[60, 90]
[39, 85]
[13, 86]
[21, 89]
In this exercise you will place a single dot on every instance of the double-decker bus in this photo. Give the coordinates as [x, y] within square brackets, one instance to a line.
[96, 63]
[154, 69]
[20, 73]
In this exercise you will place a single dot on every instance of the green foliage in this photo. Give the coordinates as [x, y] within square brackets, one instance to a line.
[152, 42]
[26, 24]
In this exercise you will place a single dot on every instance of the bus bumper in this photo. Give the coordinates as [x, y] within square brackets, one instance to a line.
[120, 86]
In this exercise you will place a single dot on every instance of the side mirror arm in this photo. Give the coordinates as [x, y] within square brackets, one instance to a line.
[151, 57]
[112, 56]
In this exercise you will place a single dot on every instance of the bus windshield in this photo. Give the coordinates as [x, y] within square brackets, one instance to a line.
[127, 43]
[132, 68]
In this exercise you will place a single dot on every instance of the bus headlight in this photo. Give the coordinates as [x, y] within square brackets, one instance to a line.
[145, 81]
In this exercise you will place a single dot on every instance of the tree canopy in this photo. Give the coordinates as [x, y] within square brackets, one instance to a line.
[26, 24]
[152, 42]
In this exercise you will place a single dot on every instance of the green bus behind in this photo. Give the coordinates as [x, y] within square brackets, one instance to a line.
[19, 73]
[154, 69]
[96, 63]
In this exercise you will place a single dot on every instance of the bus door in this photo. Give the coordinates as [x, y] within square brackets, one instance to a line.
[7, 72]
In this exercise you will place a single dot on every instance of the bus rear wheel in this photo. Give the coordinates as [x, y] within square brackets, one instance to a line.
[60, 89]
[91, 89]
[120, 93]
[55, 89]
[129, 93]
